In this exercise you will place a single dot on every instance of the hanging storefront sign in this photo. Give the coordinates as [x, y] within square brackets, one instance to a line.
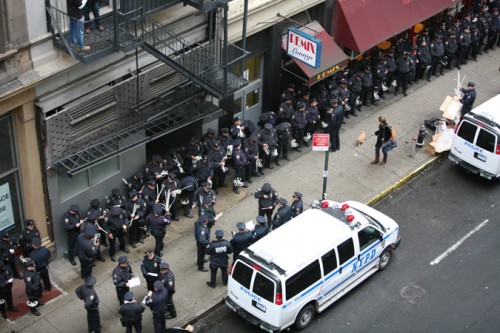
[304, 47]
[6, 212]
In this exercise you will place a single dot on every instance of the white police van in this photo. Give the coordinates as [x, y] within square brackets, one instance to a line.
[476, 141]
[309, 263]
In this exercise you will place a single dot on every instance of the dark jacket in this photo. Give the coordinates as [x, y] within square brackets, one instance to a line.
[282, 216]
[88, 295]
[158, 301]
[131, 312]
[75, 9]
[218, 251]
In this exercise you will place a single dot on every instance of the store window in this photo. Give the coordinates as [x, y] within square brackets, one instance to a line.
[10, 194]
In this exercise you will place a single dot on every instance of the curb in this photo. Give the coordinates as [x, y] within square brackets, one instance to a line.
[402, 181]
[193, 317]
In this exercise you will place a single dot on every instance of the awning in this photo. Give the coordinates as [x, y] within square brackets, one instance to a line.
[362, 24]
[332, 57]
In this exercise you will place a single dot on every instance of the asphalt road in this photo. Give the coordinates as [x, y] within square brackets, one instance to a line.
[458, 292]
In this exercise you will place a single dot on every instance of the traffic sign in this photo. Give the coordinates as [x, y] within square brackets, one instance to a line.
[320, 142]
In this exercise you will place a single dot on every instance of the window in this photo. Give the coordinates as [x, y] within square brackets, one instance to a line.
[486, 140]
[346, 251]
[264, 287]
[303, 279]
[467, 131]
[8, 160]
[103, 170]
[367, 236]
[329, 262]
[242, 274]
[252, 98]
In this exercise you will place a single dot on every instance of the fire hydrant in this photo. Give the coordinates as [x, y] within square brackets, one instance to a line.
[421, 136]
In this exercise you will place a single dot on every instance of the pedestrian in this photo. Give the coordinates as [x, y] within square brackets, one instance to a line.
[261, 228]
[136, 210]
[150, 268]
[157, 301]
[41, 257]
[121, 276]
[86, 250]
[8, 246]
[116, 224]
[92, 6]
[29, 233]
[297, 205]
[468, 99]
[239, 166]
[131, 313]
[88, 295]
[267, 200]
[242, 239]
[76, 19]
[72, 224]
[202, 236]
[283, 214]
[33, 287]
[167, 277]
[218, 250]
[384, 135]
[6, 283]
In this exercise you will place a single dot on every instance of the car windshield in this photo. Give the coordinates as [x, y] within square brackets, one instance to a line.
[371, 220]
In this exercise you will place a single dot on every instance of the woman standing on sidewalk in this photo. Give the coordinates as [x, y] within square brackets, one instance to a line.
[384, 137]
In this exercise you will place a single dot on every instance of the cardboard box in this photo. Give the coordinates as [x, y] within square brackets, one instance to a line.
[430, 147]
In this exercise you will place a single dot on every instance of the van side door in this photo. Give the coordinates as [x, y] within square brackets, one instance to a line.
[347, 260]
[370, 248]
[331, 274]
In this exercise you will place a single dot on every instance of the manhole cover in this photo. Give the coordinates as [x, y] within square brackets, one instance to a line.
[413, 294]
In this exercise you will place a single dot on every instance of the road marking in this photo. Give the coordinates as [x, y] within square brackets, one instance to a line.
[460, 242]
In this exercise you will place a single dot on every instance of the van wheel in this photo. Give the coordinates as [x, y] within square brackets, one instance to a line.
[305, 317]
[385, 259]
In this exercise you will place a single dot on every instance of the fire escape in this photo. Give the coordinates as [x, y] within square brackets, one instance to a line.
[207, 68]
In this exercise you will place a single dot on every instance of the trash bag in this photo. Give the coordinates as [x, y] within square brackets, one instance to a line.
[431, 123]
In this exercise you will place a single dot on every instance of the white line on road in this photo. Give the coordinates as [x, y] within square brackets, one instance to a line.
[460, 242]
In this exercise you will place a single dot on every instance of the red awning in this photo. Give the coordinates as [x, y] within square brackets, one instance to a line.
[332, 56]
[362, 24]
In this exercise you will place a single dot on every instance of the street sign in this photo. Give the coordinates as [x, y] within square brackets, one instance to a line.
[320, 142]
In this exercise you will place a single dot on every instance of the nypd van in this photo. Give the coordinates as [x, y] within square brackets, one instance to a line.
[306, 265]
[476, 141]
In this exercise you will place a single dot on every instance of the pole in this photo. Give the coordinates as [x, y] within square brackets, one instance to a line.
[325, 175]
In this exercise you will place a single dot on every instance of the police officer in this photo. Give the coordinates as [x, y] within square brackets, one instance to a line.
[154, 170]
[267, 200]
[218, 250]
[451, 47]
[355, 97]
[424, 61]
[289, 92]
[283, 135]
[8, 246]
[241, 239]
[202, 237]
[29, 233]
[98, 214]
[149, 195]
[237, 129]
[493, 30]
[86, 250]
[157, 224]
[6, 283]
[173, 161]
[283, 214]
[297, 205]
[267, 143]
[299, 122]
[285, 109]
[225, 139]
[116, 224]
[203, 170]
[72, 224]
[379, 78]
[136, 182]
[208, 210]
[121, 275]
[207, 139]
[41, 257]
[33, 286]
[367, 86]
[171, 187]
[191, 152]
[199, 195]
[468, 98]
[131, 313]
[437, 53]
[189, 186]
[136, 210]
[157, 301]
[261, 228]
[239, 165]
[167, 277]
[251, 150]
[464, 42]
[100, 233]
[217, 157]
[150, 267]
[313, 118]
[403, 65]
[116, 199]
[88, 295]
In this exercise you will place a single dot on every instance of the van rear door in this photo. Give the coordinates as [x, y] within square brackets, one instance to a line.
[252, 288]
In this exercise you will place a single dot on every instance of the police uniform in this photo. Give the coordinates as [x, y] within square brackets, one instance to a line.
[157, 224]
[189, 186]
[150, 268]
[299, 122]
[283, 214]
[217, 157]
[167, 277]
[237, 129]
[367, 86]
[158, 304]
[403, 65]
[41, 257]
[136, 182]
[202, 237]
[174, 162]
[261, 228]
[208, 210]
[424, 60]
[72, 222]
[285, 110]
[207, 140]
[121, 276]
[239, 165]
[218, 251]
[437, 52]
[464, 42]
[27, 236]
[6, 282]
[8, 246]
[138, 207]
[115, 220]
[202, 170]
[297, 205]
[189, 152]
[131, 313]
[251, 150]
[88, 295]
[95, 212]
[313, 118]
[115, 200]
[334, 126]
[468, 99]
[33, 284]
[173, 185]
[451, 48]
[86, 251]
[149, 195]
[283, 135]
[267, 143]
[154, 169]
[267, 200]
[241, 240]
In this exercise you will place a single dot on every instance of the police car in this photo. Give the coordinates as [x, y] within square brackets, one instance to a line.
[306, 265]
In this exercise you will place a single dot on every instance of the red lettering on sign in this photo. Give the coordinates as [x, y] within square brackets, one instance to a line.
[303, 43]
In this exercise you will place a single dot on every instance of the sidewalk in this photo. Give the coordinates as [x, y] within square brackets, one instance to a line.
[351, 176]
